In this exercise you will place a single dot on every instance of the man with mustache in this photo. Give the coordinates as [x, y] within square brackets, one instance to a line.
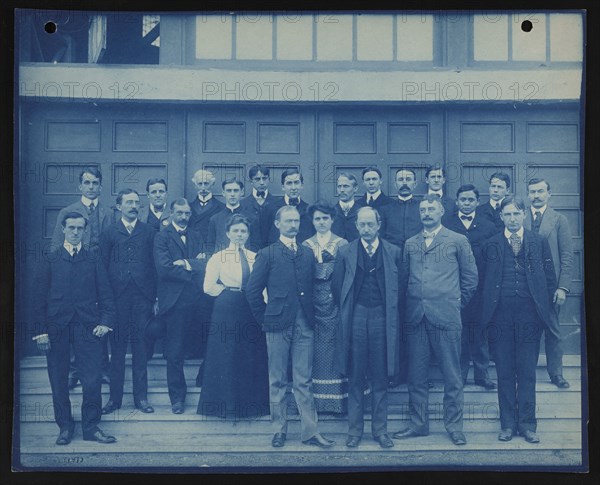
[126, 248]
[548, 223]
[442, 278]
[400, 219]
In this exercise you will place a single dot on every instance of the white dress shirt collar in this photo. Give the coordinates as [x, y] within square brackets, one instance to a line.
[206, 199]
[255, 193]
[69, 247]
[287, 199]
[127, 223]
[156, 212]
[87, 202]
[347, 205]
[466, 223]
[405, 199]
[436, 192]
[494, 202]
[519, 233]
[541, 209]
[178, 228]
[231, 209]
[374, 196]
[288, 241]
[374, 244]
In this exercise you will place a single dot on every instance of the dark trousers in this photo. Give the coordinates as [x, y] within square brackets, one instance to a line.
[515, 334]
[133, 313]
[368, 360]
[87, 350]
[553, 343]
[104, 361]
[474, 345]
[179, 320]
[425, 340]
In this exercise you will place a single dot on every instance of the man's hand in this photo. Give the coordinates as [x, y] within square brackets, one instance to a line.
[560, 296]
[101, 330]
[184, 263]
[201, 256]
[43, 343]
[155, 309]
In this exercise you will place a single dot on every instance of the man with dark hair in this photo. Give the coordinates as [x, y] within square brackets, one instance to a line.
[365, 286]
[292, 183]
[470, 223]
[499, 185]
[518, 287]
[156, 213]
[97, 219]
[180, 264]
[344, 222]
[442, 278]
[554, 227]
[435, 178]
[217, 240]
[126, 248]
[286, 269]
[373, 197]
[205, 205]
[75, 306]
[260, 197]
[400, 218]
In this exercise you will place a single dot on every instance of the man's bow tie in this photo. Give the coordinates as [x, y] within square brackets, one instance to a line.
[428, 235]
[260, 193]
[182, 233]
[294, 201]
[466, 218]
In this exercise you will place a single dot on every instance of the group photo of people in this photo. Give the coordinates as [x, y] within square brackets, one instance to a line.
[306, 309]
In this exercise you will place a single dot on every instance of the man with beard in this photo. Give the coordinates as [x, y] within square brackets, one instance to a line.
[126, 249]
[344, 222]
[204, 206]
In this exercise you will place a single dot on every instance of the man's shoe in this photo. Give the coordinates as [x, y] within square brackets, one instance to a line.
[384, 440]
[178, 408]
[278, 440]
[458, 438]
[486, 383]
[406, 433]
[65, 436]
[506, 434]
[144, 406]
[110, 407]
[320, 441]
[72, 382]
[100, 437]
[530, 436]
[105, 379]
[352, 441]
[560, 382]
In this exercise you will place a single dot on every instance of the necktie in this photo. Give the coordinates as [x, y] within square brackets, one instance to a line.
[345, 208]
[497, 206]
[369, 200]
[292, 247]
[129, 228]
[515, 243]
[183, 235]
[260, 193]
[245, 269]
[537, 220]
[466, 218]
[92, 209]
[75, 252]
[294, 201]
[370, 250]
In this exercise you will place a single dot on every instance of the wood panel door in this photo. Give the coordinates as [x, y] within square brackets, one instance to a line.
[527, 142]
[128, 143]
[228, 140]
[354, 137]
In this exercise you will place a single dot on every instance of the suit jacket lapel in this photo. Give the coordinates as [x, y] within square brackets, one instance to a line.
[177, 238]
[437, 240]
[548, 221]
[352, 260]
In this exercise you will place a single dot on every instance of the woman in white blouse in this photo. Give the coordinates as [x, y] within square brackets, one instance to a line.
[235, 383]
[330, 388]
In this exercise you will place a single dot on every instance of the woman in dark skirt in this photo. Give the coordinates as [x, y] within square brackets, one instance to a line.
[329, 387]
[236, 380]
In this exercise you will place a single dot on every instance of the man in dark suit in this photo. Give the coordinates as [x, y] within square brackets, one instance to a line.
[180, 263]
[344, 222]
[518, 287]
[499, 185]
[126, 248]
[98, 218]
[435, 178]
[400, 218]
[76, 307]
[286, 269]
[156, 214]
[469, 222]
[553, 226]
[442, 278]
[204, 206]
[373, 197]
[233, 190]
[366, 287]
[260, 197]
[292, 183]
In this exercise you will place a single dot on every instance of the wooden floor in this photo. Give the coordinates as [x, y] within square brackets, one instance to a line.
[200, 443]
